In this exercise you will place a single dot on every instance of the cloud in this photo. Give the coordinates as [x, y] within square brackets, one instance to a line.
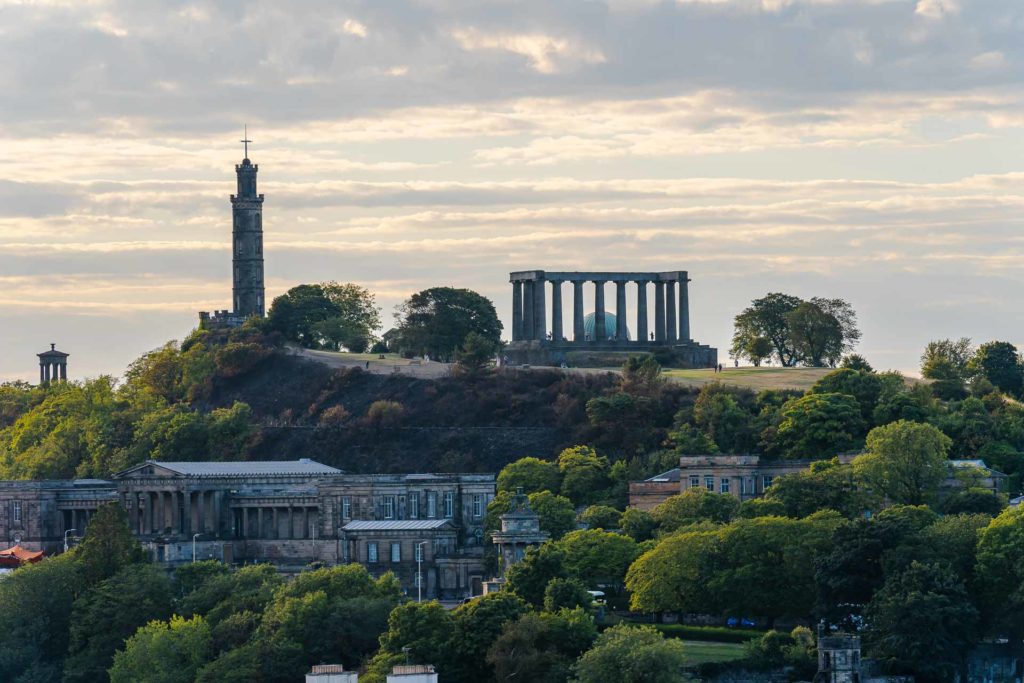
[547, 54]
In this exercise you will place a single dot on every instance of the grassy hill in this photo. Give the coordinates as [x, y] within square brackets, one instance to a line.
[800, 379]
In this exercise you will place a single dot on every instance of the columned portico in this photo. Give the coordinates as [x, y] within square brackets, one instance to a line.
[670, 328]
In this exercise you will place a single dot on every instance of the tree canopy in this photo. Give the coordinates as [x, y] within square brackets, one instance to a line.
[437, 321]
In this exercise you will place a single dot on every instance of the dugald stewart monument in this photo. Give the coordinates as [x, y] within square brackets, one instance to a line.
[607, 341]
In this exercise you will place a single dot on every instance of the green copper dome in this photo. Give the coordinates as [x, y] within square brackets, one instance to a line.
[609, 326]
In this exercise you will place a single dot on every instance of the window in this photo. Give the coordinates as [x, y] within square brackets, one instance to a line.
[346, 507]
[17, 511]
[723, 485]
[419, 552]
[449, 504]
[371, 553]
[389, 507]
[709, 482]
[396, 552]
[478, 505]
[766, 482]
[414, 506]
[431, 504]
[694, 481]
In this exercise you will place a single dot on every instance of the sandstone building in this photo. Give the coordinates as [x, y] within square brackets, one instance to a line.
[289, 513]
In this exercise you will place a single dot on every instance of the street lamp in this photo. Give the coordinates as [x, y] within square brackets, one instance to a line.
[194, 537]
[66, 538]
[419, 570]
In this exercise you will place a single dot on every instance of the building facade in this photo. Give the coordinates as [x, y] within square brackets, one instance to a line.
[749, 476]
[289, 513]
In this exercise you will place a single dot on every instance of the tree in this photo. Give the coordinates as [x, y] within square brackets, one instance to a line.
[601, 517]
[163, 652]
[633, 654]
[818, 426]
[530, 474]
[108, 614]
[641, 376]
[477, 626]
[108, 545]
[638, 524]
[567, 593]
[864, 386]
[755, 349]
[597, 557]
[922, 622]
[999, 363]
[725, 415]
[822, 330]
[855, 361]
[557, 514]
[326, 315]
[673, 575]
[584, 475]
[945, 361]
[541, 647]
[905, 462]
[475, 357]
[825, 485]
[529, 578]
[999, 574]
[766, 318]
[694, 505]
[222, 594]
[35, 611]
[437, 321]
[425, 628]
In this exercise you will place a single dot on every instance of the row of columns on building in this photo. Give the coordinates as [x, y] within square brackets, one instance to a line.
[77, 519]
[264, 521]
[529, 319]
[53, 371]
[176, 512]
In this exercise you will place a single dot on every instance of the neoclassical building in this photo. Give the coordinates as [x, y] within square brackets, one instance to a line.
[289, 513]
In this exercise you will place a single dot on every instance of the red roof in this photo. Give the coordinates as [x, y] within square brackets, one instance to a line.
[16, 556]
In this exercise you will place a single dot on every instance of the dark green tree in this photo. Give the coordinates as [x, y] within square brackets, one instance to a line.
[601, 517]
[108, 614]
[326, 315]
[168, 652]
[566, 593]
[541, 648]
[905, 462]
[633, 654]
[694, 505]
[822, 330]
[108, 545]
[477, 625]
[766, 318]
[437, 321]
[999, 363]
[530, 474]
[819, 426]
[529, 578]
[476, 355]
[922, 622]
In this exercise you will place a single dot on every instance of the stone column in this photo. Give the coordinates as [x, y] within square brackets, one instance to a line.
[540, 323]
[201, 511]
[305, 523]
[245, 523]
[577, 311]
[42, 374]
[259, 522]
[134, 511]
[620, 310]
[290, 528]
[556, 311]
[527, 324]
[216, 498]
[599, 325]
[47, 378]
[63, 372]
[670, 311]
[659, 311]
[175, 513]
[641, 310]
[188, 512]
[684, 307]
[277, 527]
[517, 310]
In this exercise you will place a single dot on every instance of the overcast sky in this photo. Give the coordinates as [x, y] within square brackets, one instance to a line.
[866, 149]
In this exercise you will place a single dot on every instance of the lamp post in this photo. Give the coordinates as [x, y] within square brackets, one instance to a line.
[66, 538]
[194, 537]
[419, 570]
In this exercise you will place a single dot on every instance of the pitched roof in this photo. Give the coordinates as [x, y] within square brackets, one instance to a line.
[394, 524]
[240, 469]
[671, 475]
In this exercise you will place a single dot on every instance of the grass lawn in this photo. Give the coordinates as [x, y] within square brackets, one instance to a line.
[702, 652]
[753, 378]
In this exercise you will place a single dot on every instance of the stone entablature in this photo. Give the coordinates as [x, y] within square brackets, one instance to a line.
[286, 512]
[534, 342]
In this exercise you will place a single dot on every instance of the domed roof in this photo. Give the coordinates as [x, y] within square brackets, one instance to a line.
[609, 326]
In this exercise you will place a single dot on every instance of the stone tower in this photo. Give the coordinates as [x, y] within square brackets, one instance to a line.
[247, 241]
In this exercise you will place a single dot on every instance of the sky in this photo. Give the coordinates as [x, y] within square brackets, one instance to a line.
[871, 150]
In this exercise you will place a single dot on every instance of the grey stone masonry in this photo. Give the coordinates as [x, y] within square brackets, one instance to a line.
[53, 365]
[247, 243]
[534, 342]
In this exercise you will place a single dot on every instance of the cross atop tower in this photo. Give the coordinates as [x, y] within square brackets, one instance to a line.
[245, 140]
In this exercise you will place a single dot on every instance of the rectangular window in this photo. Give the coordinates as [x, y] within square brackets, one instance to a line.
[723, 485]
[414, 506]
[371, 553]
[478, 505]
[449, 504]
[17, 511]
[431, 504]
[709, 482]
[396, 552]
[419, 552]
[694, 481]
[766, 482]
[346, 507]
[389, 507]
